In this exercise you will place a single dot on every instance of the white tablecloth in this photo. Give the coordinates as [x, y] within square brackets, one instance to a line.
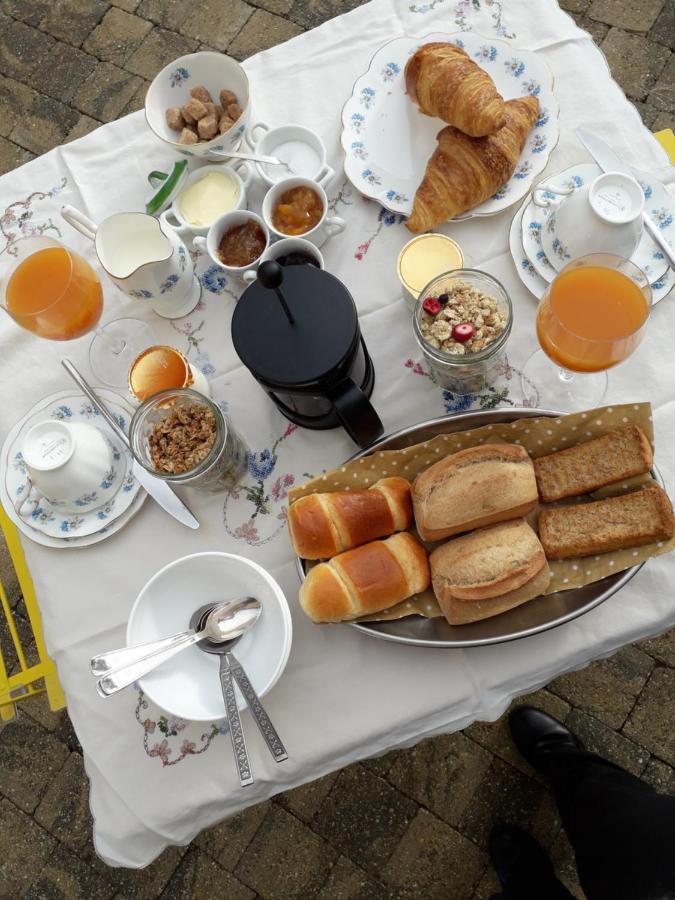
[156, 781]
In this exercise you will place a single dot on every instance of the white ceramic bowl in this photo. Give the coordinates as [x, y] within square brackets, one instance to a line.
[288, 141]
[325, 228]
[211, 242]
[188, 685]
[171, 87]
[241, 172]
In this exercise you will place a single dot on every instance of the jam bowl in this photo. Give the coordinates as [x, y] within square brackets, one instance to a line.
[462, 321]
[255, 239]
[294, 194]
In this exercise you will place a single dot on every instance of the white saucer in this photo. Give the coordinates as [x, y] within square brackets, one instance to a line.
[537, 237]
[71, 405]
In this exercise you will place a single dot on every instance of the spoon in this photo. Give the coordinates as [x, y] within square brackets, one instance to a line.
[230, 667]
[222, 622]
[252, 157]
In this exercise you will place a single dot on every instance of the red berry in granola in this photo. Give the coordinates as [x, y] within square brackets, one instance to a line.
[463, 332]
[432, 306]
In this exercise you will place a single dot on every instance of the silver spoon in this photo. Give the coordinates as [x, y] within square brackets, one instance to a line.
[230, 667]
[252, 157]
[222, 622]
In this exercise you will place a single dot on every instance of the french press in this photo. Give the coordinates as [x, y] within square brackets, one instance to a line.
[297, 331]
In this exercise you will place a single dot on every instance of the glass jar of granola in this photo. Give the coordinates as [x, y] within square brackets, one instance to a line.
[462, 320]
[182, 437]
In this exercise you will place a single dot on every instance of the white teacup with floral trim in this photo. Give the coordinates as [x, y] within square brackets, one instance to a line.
[217, 231]
[68, 464]
[178, 215]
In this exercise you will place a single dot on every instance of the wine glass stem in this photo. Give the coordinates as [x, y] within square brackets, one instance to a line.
[115, 345]
[565, 376]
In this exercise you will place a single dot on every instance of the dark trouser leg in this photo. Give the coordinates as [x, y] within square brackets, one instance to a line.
[622, 831]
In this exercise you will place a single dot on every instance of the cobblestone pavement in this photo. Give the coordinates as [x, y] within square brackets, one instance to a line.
[414, 823]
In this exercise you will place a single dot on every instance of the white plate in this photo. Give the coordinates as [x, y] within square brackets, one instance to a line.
[387, 141]
[79, 408]
[532, 265]
[188, 685]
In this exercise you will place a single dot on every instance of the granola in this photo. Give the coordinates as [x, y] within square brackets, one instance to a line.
[461, 304]
[183, 439]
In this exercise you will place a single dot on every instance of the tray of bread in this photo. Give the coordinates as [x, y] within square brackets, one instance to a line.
[483, 527]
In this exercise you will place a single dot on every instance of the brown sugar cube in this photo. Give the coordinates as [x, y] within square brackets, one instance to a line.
[227, 97]
[207, 128]
[211, 110]
[187, 117]
[188, 136]
[174, 118]
[219, 112]
[225, 124]
[201, 93]
[195, 109]
[234, 111]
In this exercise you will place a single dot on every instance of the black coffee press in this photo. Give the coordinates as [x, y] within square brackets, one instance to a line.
[297, 331]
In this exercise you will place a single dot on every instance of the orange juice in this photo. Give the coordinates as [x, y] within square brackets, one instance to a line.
[158, 369]
[55, 294]
[591, 318]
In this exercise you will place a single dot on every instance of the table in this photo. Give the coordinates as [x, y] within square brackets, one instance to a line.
[156, 781]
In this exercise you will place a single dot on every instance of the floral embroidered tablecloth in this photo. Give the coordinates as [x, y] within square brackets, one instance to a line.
[157, 780]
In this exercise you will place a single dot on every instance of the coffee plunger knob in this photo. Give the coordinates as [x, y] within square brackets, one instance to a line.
[271, 275]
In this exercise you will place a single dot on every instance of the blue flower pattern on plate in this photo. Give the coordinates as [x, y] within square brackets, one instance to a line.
[178, 76]
[141, 294]
[542, 119]
[61, 412]
[390, 71]
[359, 150]
[357, 121]
[395, 197]
[532, 87]
[367, 97]
[523, 169]
[88, 499]
[663, 217]
[515, 67]
[369, 176]
[538, 143]
[560, 249]
[71, 524]
[486, 52]
[647, 189]
[168, 285]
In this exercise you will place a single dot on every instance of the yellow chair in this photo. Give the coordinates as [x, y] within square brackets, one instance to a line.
[24, 682]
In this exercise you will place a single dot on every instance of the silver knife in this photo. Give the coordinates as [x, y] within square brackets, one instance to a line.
[159, 490]
[608, 161]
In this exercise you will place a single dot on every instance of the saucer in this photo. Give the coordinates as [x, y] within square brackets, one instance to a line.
[549, 256]
[529, 273]
[67, 530]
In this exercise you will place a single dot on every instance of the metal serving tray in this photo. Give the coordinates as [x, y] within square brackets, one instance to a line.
[531, 618]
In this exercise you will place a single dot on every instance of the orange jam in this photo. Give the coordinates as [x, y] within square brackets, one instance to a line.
[298, 211]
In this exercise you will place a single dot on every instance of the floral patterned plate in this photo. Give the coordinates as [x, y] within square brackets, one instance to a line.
[387, 141]
[531, 263]
[647, 257]
[46, 525]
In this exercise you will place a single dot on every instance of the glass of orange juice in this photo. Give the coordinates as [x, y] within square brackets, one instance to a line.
[591, 318]
[54, 293]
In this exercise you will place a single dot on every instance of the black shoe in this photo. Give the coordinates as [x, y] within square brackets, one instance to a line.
[537, 735]
[523, 869]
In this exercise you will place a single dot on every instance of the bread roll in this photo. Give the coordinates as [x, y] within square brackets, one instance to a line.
[630, 520]
[458, 612]
[593, 464]
[321, 525]
[365, 580]
[475, 487]
[489, 571]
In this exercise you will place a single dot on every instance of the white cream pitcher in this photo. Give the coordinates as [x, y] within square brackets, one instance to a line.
[143, 260]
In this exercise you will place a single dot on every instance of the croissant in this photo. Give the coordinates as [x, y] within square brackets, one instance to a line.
[464, 171]
[445, 82]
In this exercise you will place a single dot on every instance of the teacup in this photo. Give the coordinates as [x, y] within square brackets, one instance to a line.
[325, 228]
[241, 174]
[285, 246]
[69, 465]
[215, 234]
[603, 217]
[301, 148]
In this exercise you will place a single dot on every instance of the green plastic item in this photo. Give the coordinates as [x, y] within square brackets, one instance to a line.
[165, 187]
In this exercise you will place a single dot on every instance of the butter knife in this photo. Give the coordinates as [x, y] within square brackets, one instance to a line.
[608, 161]
[159, 490]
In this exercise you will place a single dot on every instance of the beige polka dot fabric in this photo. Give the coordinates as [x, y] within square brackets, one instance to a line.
[539, 436]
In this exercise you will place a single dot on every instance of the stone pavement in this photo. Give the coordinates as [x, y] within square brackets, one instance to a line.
[414, 823]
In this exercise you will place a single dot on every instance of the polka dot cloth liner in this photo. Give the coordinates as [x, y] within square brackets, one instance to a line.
[539, 436]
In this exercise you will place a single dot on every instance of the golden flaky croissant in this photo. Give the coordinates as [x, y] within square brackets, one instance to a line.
[445, 82]
[464, 171]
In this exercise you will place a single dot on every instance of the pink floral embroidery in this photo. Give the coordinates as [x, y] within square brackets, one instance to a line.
[149, 726]
[246, 532]
[162, 750]
[415, 366]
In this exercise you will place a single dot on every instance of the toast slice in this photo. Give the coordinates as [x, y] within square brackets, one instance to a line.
[601, 461]
[617, 523]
